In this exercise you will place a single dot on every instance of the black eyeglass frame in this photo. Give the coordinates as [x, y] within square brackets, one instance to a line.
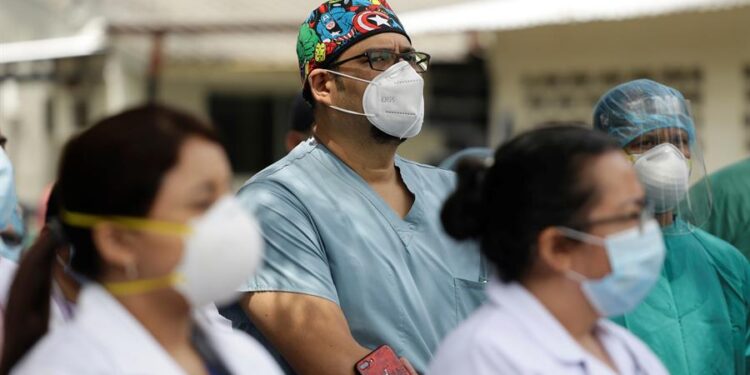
[398, 57]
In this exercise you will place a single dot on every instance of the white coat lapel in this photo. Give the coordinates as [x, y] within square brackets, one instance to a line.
[129, 346]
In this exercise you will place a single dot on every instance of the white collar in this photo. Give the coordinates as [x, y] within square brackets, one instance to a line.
[127, 343]
[541, 325]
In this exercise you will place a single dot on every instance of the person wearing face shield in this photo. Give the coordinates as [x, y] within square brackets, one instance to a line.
[355, 254]
[144, 202]
[696, 317]
[562, 217]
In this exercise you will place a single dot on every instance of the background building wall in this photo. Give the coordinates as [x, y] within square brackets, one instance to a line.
[713, 44]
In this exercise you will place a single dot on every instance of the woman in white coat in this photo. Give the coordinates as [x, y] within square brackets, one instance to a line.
[144, 204]
[560, 214]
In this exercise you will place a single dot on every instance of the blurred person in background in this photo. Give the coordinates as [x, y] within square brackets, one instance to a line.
[64, 288]
[300, 124]
[730, 219]
[355, 254]
[143, 201]
[696, 317]
[11, 229]
[11, 218]
[562, 216]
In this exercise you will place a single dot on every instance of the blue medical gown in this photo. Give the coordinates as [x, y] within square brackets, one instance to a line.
[696, 317]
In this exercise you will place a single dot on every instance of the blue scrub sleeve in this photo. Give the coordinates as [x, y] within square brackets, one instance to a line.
[294, 259]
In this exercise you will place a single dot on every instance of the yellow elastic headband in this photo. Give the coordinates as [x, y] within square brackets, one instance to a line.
[81, 220]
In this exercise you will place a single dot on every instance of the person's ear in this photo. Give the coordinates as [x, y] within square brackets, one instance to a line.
[115, 244]
[554, 250]
[321, 86]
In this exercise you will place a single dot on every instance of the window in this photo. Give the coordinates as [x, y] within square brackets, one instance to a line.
[457, 102]
[251, 128]
[571, 96]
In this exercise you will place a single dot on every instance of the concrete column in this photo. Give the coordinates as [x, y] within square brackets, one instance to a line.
[30, 143]
[724, 135]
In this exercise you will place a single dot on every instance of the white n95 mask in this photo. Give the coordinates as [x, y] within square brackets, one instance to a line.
[665, 174]
[394, 101]
[222, 249]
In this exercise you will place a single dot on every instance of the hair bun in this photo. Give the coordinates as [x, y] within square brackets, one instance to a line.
[464, 211]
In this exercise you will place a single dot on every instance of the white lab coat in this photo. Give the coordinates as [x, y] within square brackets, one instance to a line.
[513, 333]
[61, 310]
[104, 338]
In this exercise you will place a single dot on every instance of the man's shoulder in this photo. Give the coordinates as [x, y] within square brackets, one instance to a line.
[289, 166]
[427, 172]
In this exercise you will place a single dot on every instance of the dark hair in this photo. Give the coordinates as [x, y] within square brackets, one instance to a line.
[113, 168]
[537, 181]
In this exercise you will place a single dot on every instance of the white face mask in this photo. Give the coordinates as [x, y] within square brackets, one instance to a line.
[394, 101]
[664, 172]
[223, 251]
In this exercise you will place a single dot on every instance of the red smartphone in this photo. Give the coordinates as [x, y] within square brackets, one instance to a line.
[381, 361]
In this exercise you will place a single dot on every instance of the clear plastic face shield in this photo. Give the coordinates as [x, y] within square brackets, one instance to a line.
[655, 127]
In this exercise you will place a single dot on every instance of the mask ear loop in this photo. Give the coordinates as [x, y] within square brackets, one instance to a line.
[581, 236]
[356, 79]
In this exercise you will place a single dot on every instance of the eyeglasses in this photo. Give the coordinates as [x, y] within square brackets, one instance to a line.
[642, 217]
[381, 60]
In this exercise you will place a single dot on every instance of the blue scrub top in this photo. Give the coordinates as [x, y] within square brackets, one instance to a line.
[401, 282]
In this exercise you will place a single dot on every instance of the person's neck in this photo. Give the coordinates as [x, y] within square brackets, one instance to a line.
[372, 161]
[164, 314]
[568, 306]
[68, 286]
[665, 219]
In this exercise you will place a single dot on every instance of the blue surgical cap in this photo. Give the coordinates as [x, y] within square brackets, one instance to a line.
[641, 106]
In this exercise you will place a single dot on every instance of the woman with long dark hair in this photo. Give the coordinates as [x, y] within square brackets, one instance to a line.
[145, 206]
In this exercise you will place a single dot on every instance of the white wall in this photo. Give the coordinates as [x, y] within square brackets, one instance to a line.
[717, 42]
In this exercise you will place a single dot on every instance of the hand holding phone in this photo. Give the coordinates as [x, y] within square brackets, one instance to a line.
[381, 361]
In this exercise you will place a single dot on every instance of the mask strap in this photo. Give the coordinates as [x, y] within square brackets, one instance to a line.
[351, 112]
[81, 220]
[125, 288]
[346, 75]
[356, 79]
[581, 236]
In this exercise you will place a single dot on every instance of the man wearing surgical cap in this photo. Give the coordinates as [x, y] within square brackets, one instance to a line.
[356, 256]
[696, 317]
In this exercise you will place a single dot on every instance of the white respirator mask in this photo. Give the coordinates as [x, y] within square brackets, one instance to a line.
[222, 249]
[393, 101]
[665, 173]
